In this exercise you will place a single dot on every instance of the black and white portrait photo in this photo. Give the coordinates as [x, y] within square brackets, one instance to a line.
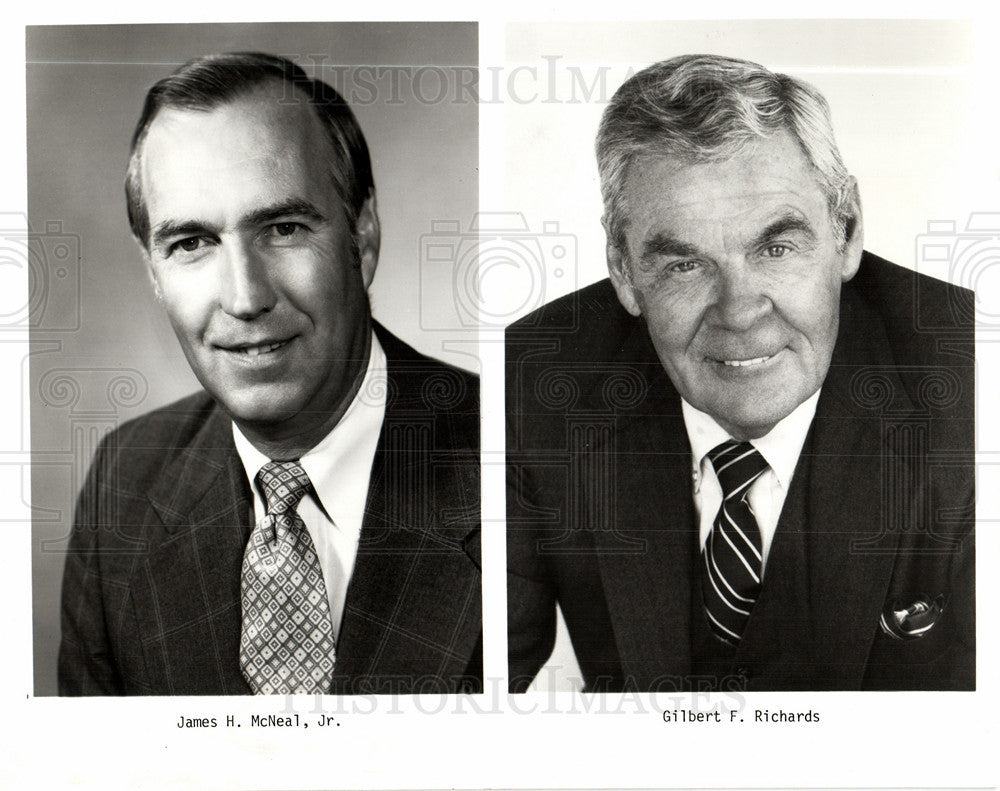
[308, 520]
[744, 460]
[501, 396]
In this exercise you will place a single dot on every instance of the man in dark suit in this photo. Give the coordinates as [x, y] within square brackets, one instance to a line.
[310, 523]
[744, 461]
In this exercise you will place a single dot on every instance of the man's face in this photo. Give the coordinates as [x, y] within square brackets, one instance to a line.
[252, 256]
[735, 268]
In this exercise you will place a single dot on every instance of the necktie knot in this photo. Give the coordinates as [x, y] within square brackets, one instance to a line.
[737, 465]
[284, 483]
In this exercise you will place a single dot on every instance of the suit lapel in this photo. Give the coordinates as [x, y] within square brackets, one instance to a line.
[831, 563]
[198, 526]
[413, 608]
[647, 571]
[413, 603]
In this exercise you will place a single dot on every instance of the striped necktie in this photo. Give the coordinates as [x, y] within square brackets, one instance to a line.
[287, 642]
[731, 558]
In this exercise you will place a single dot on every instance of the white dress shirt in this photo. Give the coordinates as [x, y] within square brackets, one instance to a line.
[339, 468]
[780, 447]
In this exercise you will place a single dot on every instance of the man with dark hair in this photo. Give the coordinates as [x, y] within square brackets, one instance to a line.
[745, 460]
[310, 522]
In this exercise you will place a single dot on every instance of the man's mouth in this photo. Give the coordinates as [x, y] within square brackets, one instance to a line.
[256, 350]
[747, 362]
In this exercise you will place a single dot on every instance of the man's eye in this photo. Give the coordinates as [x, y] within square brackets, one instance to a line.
[775, 250]
[188, 245]
[286, 228]
[683, 266]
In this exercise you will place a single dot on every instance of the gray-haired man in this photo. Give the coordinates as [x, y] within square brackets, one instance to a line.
[745, 460]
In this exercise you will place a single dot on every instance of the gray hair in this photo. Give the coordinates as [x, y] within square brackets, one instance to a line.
[704, 108]
[206, 83]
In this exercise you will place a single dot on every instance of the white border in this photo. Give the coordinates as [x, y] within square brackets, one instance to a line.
[893, 740]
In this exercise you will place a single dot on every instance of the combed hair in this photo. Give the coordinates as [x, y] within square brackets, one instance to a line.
[207, 83]
[705, 108]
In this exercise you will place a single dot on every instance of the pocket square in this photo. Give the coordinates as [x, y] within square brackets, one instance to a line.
[904, 620]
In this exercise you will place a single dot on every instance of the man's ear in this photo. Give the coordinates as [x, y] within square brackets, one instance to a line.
[148, 261]
[369, 238]
[621, 278]
[854, 234]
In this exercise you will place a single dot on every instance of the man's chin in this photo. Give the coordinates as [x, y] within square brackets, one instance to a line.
[261, 410]
[750, 414]
[276, 413]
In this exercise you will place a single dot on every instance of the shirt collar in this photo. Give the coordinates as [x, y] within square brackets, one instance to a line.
[780, 447]
[329, 464]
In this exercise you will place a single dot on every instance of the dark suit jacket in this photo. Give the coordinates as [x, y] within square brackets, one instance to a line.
[880, 513]
[151, 592]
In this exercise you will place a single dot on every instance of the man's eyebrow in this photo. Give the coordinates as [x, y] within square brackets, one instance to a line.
[666, 245]
[295, 207]
[171, 228]
[789, 223]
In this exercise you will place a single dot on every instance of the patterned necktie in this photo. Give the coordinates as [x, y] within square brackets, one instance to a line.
[732, 554]
[287, 644]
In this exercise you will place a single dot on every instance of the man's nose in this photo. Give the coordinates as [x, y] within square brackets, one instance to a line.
[741, 297]
[246, 290]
